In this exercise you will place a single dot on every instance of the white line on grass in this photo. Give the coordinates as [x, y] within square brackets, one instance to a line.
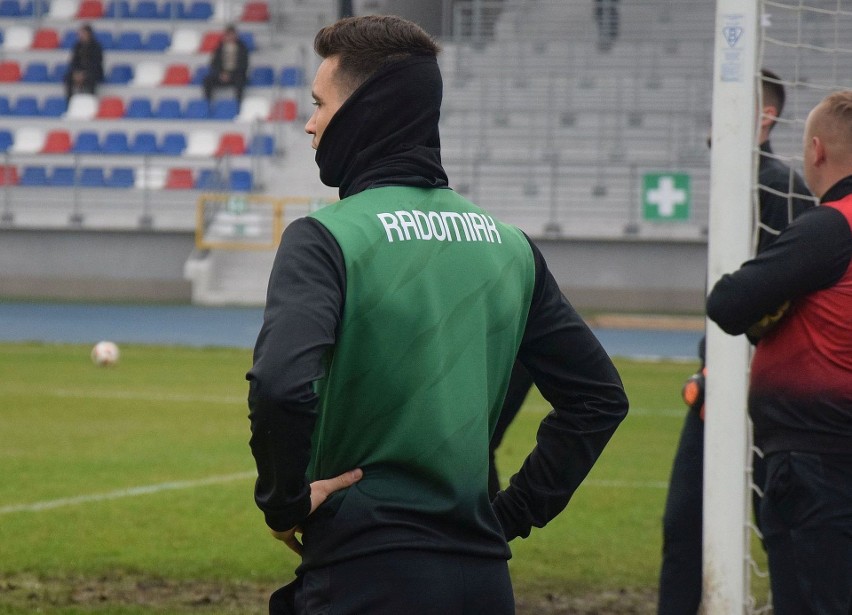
[124, 493]
[132, 395]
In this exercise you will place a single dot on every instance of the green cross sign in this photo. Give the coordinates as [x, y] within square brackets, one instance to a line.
[666, 196]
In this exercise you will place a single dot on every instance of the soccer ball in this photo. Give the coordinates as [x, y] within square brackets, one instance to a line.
[105, 354]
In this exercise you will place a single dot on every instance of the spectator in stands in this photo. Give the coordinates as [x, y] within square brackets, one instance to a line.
[783, 195]
[795, 298]
[607, 19]
[86, 68]
[228, 66]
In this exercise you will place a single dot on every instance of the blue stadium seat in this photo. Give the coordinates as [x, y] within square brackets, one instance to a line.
[174, 143]
[146, 9]
[200, 73]
[224, 109]
[68, 40]
[120, 177]
[57, 75]
[248, 39]
[197, 10]
[5, 140]
[33, 176]
[5, 109]
[54, 106]
[129, 41]
[115, 143]
[168, 109]
[25, 106]
[92, 177]
[118, 9]
[262, 76]
[209, 179]
[119, 74]
[240, 180]
[139, 108]
[292, 77]
[36, 72]
[105, 38]
[144, 143]
[197, 109]
[10, 8]
[28, 9]
[261, 145]
[62, 176]
[158, 41]
[165, 11]
[87, 142]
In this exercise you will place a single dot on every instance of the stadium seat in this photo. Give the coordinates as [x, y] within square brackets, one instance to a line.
[130, 40]
[5, 109]
[185, 41]
[201, 143]
[82, 107]
[118, 9]
[53, 106]
[10, 8]
[231, 144]
[292, 77]
[283, 111]
[111, 108]
[105, 38]
[8, 175]
[144, 144]
[224, 109]
[176, 74]
[197, 10]
[148, 74]
[261, 145]
[68, 40]
[57, 74]
[116, 143]
[261, 76]
[92, 177]
[35, 72]
[157, 41]
[35, 8]
[168, 109]
[210, 41]
[87, 142]
[255, 11]
[200, 74]
[46, 38]
[5, 140]
[248, 39]
[28, 140]
[25, 106]
[33, 176]
[151, 178]
[209, 179]
[197, 109]
[10, 71]
[63, 10]
[61, 177]
[57, 142]
[254, 108]
[90, 9]
[240, 180]
[146, 9]
[173, 144]
[119, 74]
[139, 108]
[179, 179]
[120, 177]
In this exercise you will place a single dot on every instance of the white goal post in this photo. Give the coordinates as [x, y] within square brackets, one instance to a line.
[732, 190]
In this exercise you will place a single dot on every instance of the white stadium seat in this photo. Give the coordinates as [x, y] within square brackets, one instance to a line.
[185, 41]
[153, 178]
[28, 140]
[17, 38]
[63, 9]
[254, 108]
[82, 107]
[148, 74]
[203, 143]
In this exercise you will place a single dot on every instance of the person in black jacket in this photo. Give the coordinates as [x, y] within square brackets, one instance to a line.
[783, 196]
[795, 299]
[426, 546]
[86, 68]
[228, 66]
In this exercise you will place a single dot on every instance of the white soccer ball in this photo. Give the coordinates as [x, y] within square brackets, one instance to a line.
[105, 354]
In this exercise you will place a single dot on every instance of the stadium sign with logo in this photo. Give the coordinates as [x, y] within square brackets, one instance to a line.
[666, 196]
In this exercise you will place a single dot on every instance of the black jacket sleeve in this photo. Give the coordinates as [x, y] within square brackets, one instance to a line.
[303, 310]
[575, 375]
[811, 254]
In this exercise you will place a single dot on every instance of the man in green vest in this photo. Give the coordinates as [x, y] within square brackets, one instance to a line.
[392, 322]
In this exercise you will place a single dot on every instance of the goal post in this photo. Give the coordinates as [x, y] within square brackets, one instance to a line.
[732, 191]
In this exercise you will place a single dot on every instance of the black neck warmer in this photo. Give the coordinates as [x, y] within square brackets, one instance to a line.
[386, 132]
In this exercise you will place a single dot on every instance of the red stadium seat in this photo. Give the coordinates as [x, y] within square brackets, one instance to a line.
[10, 71]
[255, 11]
[283, 111]
[90, 9]
[179, 179]
[46, 38]
[57, 142]
[231, 143]
[8, 175]
[177, 74]
[210, 41]
[110, 107]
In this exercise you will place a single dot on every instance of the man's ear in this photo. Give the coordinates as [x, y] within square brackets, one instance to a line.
[819, 150]
[768, 115]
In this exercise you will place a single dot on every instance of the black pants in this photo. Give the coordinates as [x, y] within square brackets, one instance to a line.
[214, 80]
[520, 384]
[680, 573]
[807, 525]
[88, 85]
[401, 583]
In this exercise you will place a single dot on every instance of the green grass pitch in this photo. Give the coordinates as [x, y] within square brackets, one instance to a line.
[140, 475]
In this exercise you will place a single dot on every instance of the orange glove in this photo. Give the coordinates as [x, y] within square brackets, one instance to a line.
[693, 391]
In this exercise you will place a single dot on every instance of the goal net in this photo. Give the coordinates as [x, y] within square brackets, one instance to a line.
[807, 44]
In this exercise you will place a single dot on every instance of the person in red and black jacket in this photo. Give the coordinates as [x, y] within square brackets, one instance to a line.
[795, 298]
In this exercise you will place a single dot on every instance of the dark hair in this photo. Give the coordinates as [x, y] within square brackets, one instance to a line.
[773, 90]
[366, 43]
[87, 28]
